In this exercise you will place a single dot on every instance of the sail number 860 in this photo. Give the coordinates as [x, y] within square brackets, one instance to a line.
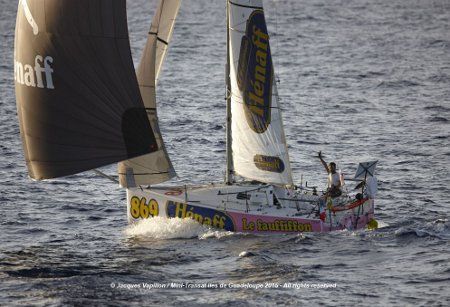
[140, 208]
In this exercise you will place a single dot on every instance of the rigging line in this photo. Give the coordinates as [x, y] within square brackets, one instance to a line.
[238, 100]
[238, 31]
[276, 40]
[298, 199]
[245, 191]
[144, 174]
[228, 94]
[237, 24]
[234, 26]
[104, 175]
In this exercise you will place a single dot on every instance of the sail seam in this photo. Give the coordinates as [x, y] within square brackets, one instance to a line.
[247, 6]
[238, 31]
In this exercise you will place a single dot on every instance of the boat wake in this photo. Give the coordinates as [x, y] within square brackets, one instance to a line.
[173, 228]
[166, 228]
[218, 234]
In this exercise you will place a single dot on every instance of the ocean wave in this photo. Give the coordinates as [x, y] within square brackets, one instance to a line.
[439, 229]
[44, 272]
[438, 119]
[439, 43]
[397, 84]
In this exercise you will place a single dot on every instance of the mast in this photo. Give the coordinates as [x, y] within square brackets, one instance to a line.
[229, 168]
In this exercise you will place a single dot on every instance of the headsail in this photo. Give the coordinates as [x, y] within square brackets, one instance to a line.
[162, 28]
[155, 167]
[78, 99]
[258, 141]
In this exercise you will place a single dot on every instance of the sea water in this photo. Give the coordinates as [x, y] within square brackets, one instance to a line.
[359, 80]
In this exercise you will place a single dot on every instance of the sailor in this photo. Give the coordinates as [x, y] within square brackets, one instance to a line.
[334, 180]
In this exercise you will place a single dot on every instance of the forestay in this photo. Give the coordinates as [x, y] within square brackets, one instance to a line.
[78, 99]
[155, 167]
[258, 141]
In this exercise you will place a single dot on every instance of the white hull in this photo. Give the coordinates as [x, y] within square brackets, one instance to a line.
[250, 208]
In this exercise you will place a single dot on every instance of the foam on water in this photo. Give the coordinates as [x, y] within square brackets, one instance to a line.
[174, 228]
[167, 228]
[218, 234]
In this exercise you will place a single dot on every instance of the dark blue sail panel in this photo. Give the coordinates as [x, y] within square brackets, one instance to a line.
[255, 72]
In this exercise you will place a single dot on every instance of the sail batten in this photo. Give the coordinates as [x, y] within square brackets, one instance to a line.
[246, 5]
[259, 149]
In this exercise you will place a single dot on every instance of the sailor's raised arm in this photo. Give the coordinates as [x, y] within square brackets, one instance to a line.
[323, 162]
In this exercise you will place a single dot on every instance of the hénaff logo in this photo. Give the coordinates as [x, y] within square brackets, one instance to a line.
[255, 73]
[205, 216]
[28, 75]
[269, 163]
[29, 17]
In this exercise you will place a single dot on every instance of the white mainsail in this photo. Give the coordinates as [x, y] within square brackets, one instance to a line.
[155, 167]
[259, 149]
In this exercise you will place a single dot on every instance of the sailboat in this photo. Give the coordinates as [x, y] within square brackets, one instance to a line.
[81, 105]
